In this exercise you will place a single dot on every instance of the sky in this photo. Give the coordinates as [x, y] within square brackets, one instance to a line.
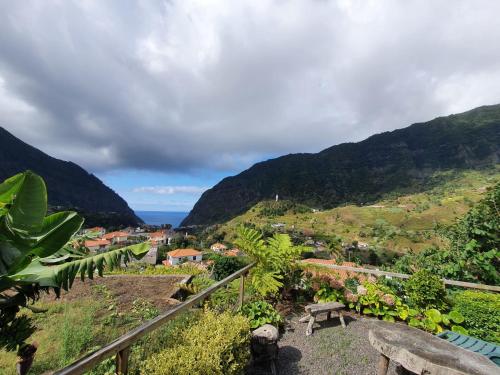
[162, 99]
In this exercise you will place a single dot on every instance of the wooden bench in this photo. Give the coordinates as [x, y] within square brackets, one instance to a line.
[319, 308]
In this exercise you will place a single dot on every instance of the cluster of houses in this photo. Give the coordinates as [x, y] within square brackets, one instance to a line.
[102, 241]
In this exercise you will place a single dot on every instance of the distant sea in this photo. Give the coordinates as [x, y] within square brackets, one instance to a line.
[162, 217]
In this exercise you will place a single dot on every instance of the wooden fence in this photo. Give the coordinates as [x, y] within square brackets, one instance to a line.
[121, 346]
[491, 288]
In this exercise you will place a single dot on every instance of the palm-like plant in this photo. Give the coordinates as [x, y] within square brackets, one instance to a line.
[275, 259]
[37, 254]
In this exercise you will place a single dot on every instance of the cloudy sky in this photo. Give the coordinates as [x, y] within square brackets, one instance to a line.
[161, 99]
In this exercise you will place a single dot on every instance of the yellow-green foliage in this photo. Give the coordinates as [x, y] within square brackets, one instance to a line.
[217, 344]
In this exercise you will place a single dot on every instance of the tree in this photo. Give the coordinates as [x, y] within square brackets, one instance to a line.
[37, 255]
[275, 259]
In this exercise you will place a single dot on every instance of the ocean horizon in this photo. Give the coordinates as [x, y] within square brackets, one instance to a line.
[162, 217]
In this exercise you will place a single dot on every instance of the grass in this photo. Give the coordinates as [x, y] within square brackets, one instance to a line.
[397, 223]
[71, 329]
[64, 332]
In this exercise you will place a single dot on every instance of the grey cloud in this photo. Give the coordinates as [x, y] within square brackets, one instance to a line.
[181, 85]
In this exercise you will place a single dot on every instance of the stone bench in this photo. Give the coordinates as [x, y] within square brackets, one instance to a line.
[320, 308]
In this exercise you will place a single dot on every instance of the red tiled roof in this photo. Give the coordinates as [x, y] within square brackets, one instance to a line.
[156, 234]
[115, 234]
[179, 253]
[232, 253]
[92, 243]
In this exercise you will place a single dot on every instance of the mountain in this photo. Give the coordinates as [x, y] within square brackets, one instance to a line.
[68, 185]
[400, 161]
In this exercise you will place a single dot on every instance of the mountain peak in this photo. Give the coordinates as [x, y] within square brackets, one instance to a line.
[69, 186]
[396, 161]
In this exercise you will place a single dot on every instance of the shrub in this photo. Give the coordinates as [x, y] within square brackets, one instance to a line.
[218, 344]
[225, 266]
[426, 291]
[481, 311]
[260, 313]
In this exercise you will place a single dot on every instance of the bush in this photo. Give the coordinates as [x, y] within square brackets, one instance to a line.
[218, 344]
[260, 313]
[426, 291]
[481, 311]
[225, 266]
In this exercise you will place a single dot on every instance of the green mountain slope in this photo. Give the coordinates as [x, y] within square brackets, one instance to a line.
[402, 160]
[395, 224]
[69, 186]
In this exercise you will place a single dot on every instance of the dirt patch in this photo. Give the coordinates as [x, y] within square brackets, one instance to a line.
[125, 289]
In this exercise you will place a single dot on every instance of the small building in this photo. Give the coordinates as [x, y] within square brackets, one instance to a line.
[152, 254]
[218, 247]
[116, 238]
[97, 245]
[177, 256]
[159, 237]
[99, 231]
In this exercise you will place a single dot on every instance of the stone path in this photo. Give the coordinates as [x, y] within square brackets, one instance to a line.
[331, 350]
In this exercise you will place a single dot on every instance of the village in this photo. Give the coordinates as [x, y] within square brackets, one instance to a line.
[98, 240]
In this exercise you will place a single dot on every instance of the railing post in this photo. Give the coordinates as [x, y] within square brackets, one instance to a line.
[122, 361]
[242, 291]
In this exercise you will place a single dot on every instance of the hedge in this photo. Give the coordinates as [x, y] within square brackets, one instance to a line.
[481, 311]
[217, 345]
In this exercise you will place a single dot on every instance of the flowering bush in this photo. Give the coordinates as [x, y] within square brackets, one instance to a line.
[379, 301]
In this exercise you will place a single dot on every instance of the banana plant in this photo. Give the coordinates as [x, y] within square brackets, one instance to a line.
[37, 254]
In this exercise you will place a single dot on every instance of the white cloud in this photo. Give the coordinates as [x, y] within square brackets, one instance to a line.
[170, 190]
[186, 84]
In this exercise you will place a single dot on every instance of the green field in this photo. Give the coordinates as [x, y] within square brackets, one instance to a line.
[395, 224]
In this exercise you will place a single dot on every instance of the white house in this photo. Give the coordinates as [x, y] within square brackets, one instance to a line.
[97, 245]
[218, 247]
[158, 237]
[179, 255]
[116, 238]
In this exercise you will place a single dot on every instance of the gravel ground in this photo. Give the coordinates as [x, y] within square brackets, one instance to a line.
[330, 350]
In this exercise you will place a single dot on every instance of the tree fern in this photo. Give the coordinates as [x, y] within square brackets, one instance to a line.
[274, 259]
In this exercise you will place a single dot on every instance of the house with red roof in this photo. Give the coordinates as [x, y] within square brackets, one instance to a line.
[218, 247]
[116, 238]
[97, 245]
[159, 237]
[177, 256]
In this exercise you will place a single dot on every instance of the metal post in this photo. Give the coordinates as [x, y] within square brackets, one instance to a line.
[122, 361]
[242, 290]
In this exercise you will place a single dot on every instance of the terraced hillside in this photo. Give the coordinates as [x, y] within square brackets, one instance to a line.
[396, 223]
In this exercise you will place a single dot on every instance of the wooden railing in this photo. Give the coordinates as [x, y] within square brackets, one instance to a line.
[491, 288]
[121, 346]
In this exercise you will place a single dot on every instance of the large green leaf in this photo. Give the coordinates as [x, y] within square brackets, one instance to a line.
[63, 275]
[57, 230]
[30, 205]
[434, 315]
[9, 188]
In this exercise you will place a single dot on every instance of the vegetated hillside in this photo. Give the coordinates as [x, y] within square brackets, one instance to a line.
[69, 186]
[395, 224]
[402, 160]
